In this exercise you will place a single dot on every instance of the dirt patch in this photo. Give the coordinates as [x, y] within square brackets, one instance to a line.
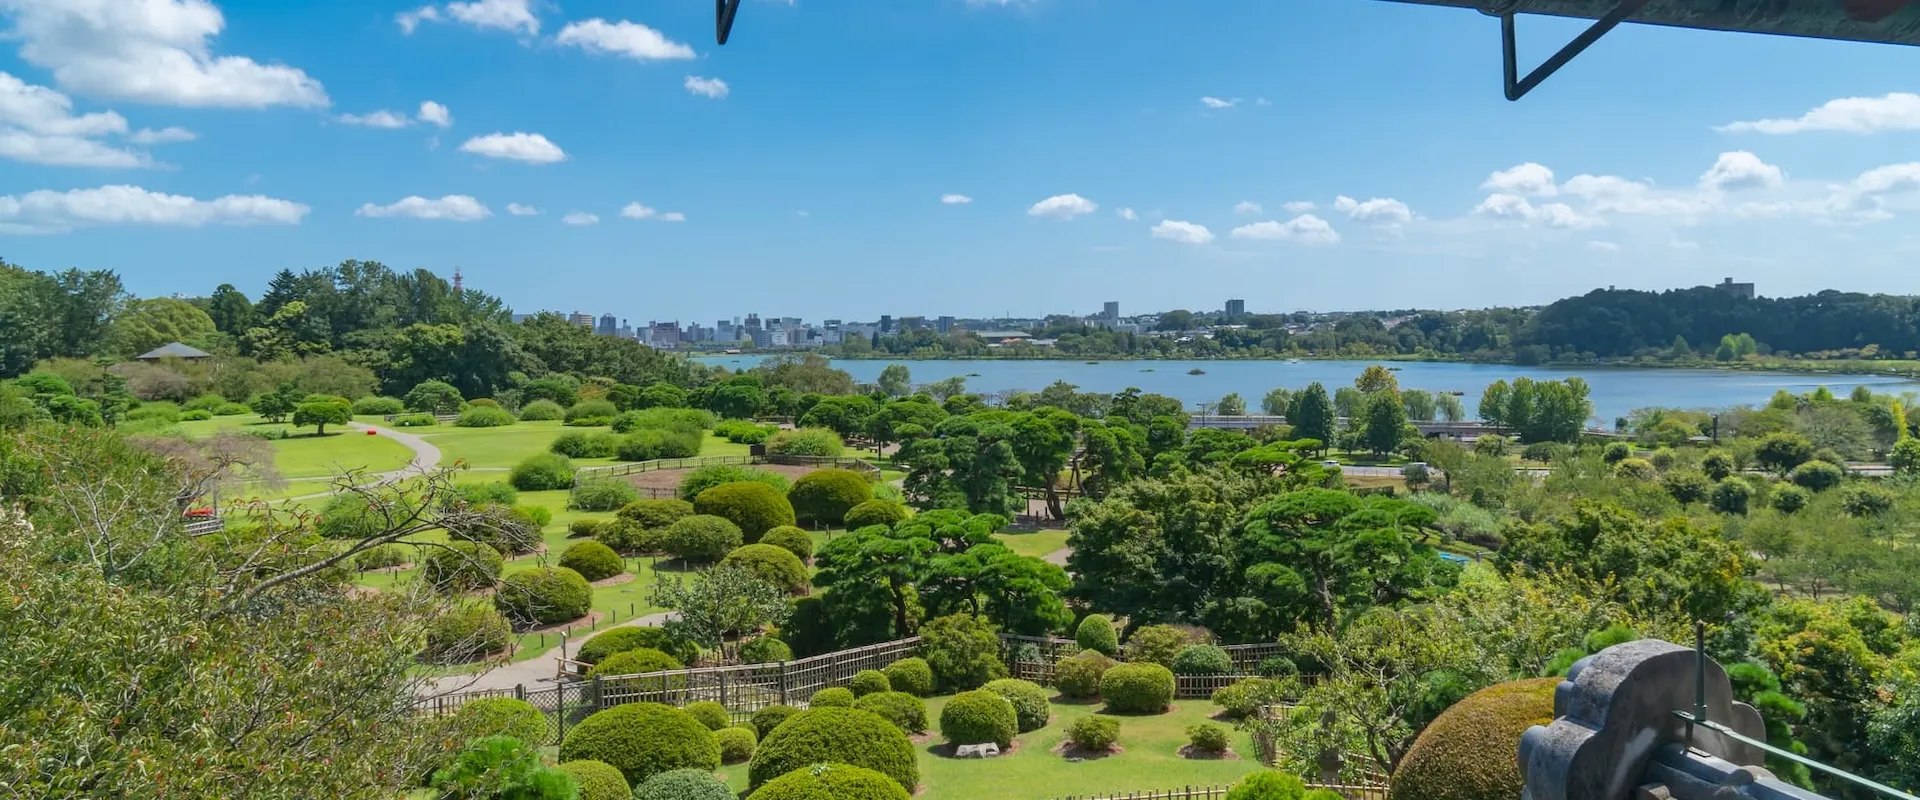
[669, 479]
[1071, 752]
[587, 621]
[624, 577]
[1197, 754]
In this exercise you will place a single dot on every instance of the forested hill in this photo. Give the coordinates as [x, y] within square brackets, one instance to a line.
[1624, 323]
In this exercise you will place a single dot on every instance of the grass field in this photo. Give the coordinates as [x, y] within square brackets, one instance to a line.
[1149, 759]
[1037, 544]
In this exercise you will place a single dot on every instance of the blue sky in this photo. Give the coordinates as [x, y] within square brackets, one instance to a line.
[1158, 154]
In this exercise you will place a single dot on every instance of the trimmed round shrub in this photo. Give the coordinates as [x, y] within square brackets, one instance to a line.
[755, 507]
[656, 513]
[701, 537]
[494, 492]
[832, 697]
[1818, 476]
[501, 716]
[1137, 688]
[963, 651]
[1096, 633]
[585, 444]
[766, 719]
[627, 537]
[541, 411]
[1079, 677]
[771, 564]
[978, 717]
[434, 397]
[1789, 498]
[598, 780]
[1274, 786]
[869, 681]
[684, 784]
[805, 442]
[1244, 699]
[1207, 737]
[543, 596]
[1094, 733]
[875, 512]
[835, 736]
[468, 633]
[484, 402]
[910, 675]
[1730, 496]
[711, 714]
[484, 417]
[593, 560]
[591, 413]
[826, 495]
[831, 782]
[1466, 753]
[765, 650]
[1029, 700]
[648, 445]
[704, 478]
[905, 711]
[736, 744]
[1202, 659]
[584, 528]
[1865, 500]
[633, 637]
[642, 740]
[1159, 644]
[415, 421]
[231, 410]
[382, 557]
[461, 566]
[790, 539]
[1638, 469]
[602, 494]
[375, 406]
[637, 661]
[1276, 666]
[541, 473]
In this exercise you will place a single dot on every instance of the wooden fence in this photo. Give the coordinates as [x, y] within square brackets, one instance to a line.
[1033, 657]
[637, 467]
[438, 419]
[1220, 793]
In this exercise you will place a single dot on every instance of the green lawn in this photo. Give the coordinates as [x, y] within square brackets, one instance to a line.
[1037, 544]
[493, 448]
[308, 461]
[1149, 759]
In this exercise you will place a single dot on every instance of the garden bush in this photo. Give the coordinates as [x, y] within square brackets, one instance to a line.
[493, 766]
[1079, 677]
[633, 637]
[1686, 485]
[905, 711]
[196, 415]
[627, 537]
[593, 560]
[1202, 659]
[684, 784]
[461, 566]
[601, 494]
[700, 538]
[649, 445]
[598, 780]
[826, 495]
[704, 478]
[875, 512]
[1137, 688]
[736, 744]
[1244, 698]
[508, 530]
[1730, 496]
[502, 716]
[962, 650]
[642, 740]
[484, 417]
[232, 410]
[910, 675]
[869, 681]
[805, 442]
[1276, 666]
[831, 782]
[765, 649]
[541, 411]
[1466, 753]
[766, 719]
[790, 539]
[205, 402]
[585, 444]
[832, 697]
[1094, 733]
[635, 661]
[591, 413]
[483, 402]
[350, 516]
[1159, 644]
[1096, 633]
[1616, 452]
[1865, 500]
[434, 397]
[1818, 476]
[1788, 499]
[1207, 737]
[1638, 469]
[711, 714]
[163, 412]
[543, 596]
[656, 513]
[773, 565]
[375, 406]
[382, 557]
[561, 390]
[469, 632]
[584, 528]
[1029, 700]
[1270, 786]
[684, 420]
[978, 717]
[415, 421]
[755, 507]
[835, 736]
[542, 473]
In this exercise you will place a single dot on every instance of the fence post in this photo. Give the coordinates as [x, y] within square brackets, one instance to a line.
[520, 692]
[783, 684]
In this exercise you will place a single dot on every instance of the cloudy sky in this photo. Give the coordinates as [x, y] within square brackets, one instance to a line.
[964, 157]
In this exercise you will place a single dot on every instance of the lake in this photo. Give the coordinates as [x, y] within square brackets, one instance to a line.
[1615, 390]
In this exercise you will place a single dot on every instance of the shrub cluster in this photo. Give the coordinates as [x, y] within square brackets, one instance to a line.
[693, 421]
[1096, 633]
[905, 711]
[805, 442]
[1029, 701]
[1079, 677]
[765, 650]
[502, 716]
[1137, 688]
[962, 650]
[650, 444]
[543, 596]
[231, 410]
[766, 719]
[910, 675]
[1207, 737]
[709, 713]
[642, 740]
[1269, 786]
[656, 513]
[875, 512]
[461, 566]
[434, 397]
[350, 516]
[704, 478]
[602, 494]
[835, 736]
[541, 473]
[832, 697]
[508, 530]
[831, 782]
[736, 744]
[598, 780]
[367, 406]
[826, 495]
[196, 415]
[869, 681]
[978, 717]
[415, 421]
[739, 431]
[585, 444]
[684, 784]
[584, 528]
[634, 637]
[467, 633]
[1094, 733]
[1244, 698]
[790, 539]
[484, 417]
[626, 536]
[773, 565]
[591, 414]
[1202, 659]
[701, 538]
[755, 507]
[382, 557]
[635, 661]
[593, 560]
[541, 411]
[1159, 644]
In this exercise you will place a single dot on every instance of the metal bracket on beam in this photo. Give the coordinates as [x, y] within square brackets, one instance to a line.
[1517, 87]
[723, 12]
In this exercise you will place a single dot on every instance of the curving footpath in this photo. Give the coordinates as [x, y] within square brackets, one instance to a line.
[533, 672]
[426, 458]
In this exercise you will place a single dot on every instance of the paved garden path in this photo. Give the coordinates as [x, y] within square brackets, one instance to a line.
[426, 457]
[538, 672]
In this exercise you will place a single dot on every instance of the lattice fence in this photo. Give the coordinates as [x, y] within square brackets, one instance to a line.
[1220, 793]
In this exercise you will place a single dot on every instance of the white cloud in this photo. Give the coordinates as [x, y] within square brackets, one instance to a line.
[167, 135]
[1306, 229]
[1183, 232]
[38, 126]
[1063, 206]
[453, 207]
[1246, 207]
[1219, 102]
[1739, 170]
[706, 87]
[1603, 247]
[673, 216]
[623, 38]
[955, 199]
[1379, 210]
[66, 151]
[1897, 111]
[435, 114]
[640, 211]
[580, 218]
[1299, 206]
[1127, 214]
[522, 211]
[1529, 179]
[506, 15]
[531, 148]
[1889, 179]
[151, 51]
[377, 119]
[56, 212]
[1552, 215]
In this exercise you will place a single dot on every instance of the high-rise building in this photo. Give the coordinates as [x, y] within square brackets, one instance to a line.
[943, 324]
[664, 334]
[609, 326]
[1110, 311]
[582, 320]
[886, 323]
[1236, 307]
[1741, 290]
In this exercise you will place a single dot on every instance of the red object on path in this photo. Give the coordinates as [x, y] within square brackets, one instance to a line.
[372, 432]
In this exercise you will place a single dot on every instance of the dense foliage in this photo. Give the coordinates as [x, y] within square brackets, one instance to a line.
[978, 717]
[752, 506]
[836, 736]
[642, 740]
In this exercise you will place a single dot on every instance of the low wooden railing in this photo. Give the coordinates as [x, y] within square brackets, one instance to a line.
[637, 467]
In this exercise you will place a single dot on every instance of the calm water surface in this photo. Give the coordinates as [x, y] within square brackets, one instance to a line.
[1616, 390]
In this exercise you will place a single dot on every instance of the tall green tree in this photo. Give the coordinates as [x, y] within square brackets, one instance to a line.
[146, 324]
[1232, 405]
[968, 463]
[1312, 414]
[231, 311]
[1043, 441]
[1317, 555]
[895, 380]
[1375, 379]
[1385, 420]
